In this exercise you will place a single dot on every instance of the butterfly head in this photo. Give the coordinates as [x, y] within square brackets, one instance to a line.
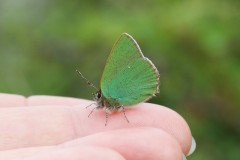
[97, 97]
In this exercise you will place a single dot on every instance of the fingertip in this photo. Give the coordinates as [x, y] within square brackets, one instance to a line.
[193, 147]
[171, 122]
[147, 114]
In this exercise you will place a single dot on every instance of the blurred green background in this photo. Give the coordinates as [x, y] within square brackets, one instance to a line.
[194, 44]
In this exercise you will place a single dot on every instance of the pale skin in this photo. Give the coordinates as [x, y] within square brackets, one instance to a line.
[50, 127]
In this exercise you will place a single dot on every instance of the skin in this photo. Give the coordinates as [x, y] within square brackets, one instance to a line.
[50, 127]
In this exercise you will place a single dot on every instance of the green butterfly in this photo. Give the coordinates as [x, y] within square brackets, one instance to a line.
[128, 77]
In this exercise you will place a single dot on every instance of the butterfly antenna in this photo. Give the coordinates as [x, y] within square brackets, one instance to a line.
[88, 82]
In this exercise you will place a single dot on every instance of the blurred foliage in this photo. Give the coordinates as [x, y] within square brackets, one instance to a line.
[195, 45]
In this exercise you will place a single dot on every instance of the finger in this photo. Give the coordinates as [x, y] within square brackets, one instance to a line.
[139, 143]
[14, 100]
[133, 143]
[143, 115]
[80, 153]
[11, 100]
[60, 153]
[48, 125]
[53, 100]
[14, 154]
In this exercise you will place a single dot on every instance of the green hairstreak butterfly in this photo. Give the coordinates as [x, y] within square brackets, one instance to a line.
[127, 79]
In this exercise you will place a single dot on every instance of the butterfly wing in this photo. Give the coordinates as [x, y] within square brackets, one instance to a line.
[128, 76]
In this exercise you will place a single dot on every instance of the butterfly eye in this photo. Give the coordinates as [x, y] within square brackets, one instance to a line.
[98, 94]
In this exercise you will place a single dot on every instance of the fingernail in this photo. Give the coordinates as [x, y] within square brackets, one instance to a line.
[184, 158]
[193, 147]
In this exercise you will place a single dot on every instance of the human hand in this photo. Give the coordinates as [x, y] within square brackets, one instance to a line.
[49, 127]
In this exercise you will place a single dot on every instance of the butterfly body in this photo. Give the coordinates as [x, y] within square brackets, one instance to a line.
[110, 104]
[128, 77]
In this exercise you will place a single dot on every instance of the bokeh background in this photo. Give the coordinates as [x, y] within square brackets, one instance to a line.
[194, 44]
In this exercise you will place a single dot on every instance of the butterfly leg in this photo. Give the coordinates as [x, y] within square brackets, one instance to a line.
[92, 109]
[106, 118]
[124, 113]
[90, 105]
